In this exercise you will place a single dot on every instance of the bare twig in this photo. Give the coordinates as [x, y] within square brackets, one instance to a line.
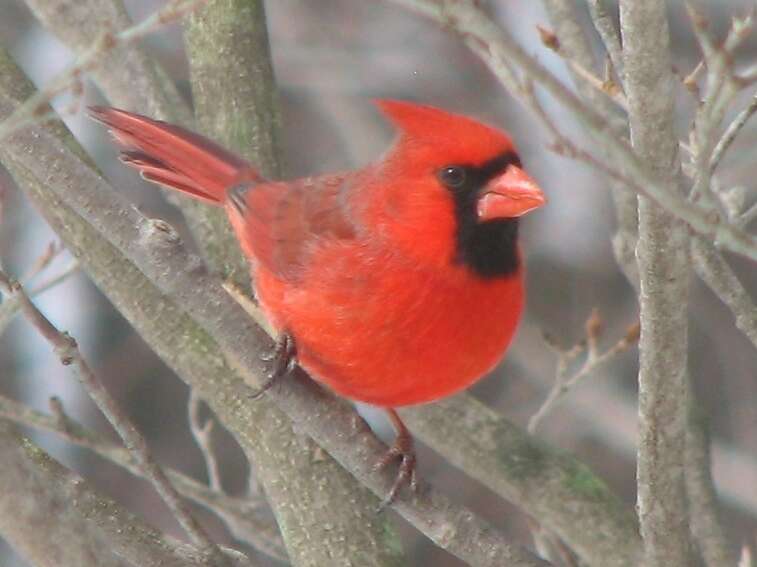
[721, 279]
[608, 32]
[127, 76]
[203, 435]
[495, 46]
[53, 518]
[575, 42]
[706, 525]
[549, 546]
[239, 514]
[42, 262]
[607, 86]
[35, 109]
[9, 308]
[721, 87]
[730, 133]
[748, 216]
[594, 360]
[67, 350]
[57, 279]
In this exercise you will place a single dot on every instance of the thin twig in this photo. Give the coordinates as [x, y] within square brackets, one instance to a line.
[9, 308]
[239, 514]
[706, 524]
[36, 109]
[67, 350]
[731, 132]
[721, 88]
[594, 360]
[203, 435]
[609, 88]
[495, 46]
[609, 33]
[712, 268]
[42, 287]
[42, 262]
[747, 216]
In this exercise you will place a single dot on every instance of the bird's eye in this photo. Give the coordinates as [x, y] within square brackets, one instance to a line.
[452, 176]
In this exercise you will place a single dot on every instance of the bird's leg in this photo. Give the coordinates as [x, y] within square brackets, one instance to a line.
[283, 358]
[401, 449]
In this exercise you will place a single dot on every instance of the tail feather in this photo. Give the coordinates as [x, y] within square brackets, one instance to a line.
[175, 157]
[158, 172]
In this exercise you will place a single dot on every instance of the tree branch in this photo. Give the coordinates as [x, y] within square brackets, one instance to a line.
[706, 525]
[239, 514]
[128, 77]
[575, 44]
[718, 275]
[67, 350]
[500, 52]
[562, 493]
[664, 270]
[54, 519]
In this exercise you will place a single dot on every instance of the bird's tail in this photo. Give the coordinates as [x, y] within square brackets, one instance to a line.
[175, 157]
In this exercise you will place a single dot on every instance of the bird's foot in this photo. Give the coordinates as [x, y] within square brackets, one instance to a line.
[402, 449]
[283, 358]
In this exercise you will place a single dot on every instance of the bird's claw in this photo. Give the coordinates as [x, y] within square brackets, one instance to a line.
[283, 358]
[402, 449]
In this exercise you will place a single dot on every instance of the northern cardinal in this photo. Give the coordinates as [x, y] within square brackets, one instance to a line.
[399, 283]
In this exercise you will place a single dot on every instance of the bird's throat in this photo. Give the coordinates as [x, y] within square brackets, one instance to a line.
[488, 249]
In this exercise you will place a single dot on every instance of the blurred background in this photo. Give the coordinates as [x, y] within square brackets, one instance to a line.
[331, 57]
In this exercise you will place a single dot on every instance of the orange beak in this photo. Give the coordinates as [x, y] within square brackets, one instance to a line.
[510, 195]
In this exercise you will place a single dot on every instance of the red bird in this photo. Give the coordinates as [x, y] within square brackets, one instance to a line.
[396, 284]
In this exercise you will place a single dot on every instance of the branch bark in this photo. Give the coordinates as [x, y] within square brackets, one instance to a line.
[662, 254]
[559, 491]
[130, 79]
[54, 519]
[67, 351]
[241, 515]
[706, 524]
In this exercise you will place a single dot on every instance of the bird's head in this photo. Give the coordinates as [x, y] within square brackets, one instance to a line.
[454, 189]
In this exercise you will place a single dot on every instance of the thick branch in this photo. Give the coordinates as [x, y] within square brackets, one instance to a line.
[555, 488]
[664, 271]
[240, 515]
[53, 518]
[68, 352]
[132, 80]
[236, 104]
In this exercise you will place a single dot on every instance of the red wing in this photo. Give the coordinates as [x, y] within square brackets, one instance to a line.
[280, 224]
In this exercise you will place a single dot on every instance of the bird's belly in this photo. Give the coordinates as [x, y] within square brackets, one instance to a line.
[395, 338]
